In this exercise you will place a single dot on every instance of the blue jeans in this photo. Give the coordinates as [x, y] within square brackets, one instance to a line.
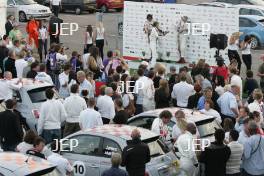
[50, 135]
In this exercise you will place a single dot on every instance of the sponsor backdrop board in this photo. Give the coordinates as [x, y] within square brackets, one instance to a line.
[221, 21]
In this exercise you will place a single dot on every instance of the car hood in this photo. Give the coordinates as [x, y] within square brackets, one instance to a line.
[33, 6]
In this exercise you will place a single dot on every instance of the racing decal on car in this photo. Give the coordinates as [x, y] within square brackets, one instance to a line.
[79, 168]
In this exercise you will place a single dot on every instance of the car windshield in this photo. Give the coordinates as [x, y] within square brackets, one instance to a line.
[207, 127]
[38, 95]
[25, 2]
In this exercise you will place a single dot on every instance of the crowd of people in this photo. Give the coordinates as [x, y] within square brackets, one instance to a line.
[99, 89]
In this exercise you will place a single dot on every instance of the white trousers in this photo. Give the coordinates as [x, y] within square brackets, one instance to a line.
[187, 165]
[182, 45]
[154, 54]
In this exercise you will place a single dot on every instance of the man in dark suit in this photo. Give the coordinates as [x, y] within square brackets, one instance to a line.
[9, 64]
[11, 133]
[3, 53]
[54, 29]
[9, 24]
[135, 155]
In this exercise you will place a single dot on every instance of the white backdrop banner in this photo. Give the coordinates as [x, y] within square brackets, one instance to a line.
[219, 20]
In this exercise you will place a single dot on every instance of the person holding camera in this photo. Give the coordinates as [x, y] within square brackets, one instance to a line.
[246, 53]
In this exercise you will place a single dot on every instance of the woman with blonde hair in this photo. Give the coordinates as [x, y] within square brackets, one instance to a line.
[160, 70]
[233, 46]
[100, 38]
[180, 126]
[95, 63]
[162, 95]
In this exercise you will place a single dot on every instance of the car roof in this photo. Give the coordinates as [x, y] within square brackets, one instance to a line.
[121, 131]
[30, 84]
[21, 164]
[253, 17]
[249, 6]
[191, 115]
[215, 4]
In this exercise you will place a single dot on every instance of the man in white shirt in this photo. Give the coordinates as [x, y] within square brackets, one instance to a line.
[138, 90]
[20, 64]
[106, 106]
[55, 6]
[234, 162]
[257, 105]
[160, 126]
[42, 75]
[74, 105]
[7, 85]
[89, 118]
[186, 150]
[52, 114]
[236, 80]
[182, 91]
[85, 84]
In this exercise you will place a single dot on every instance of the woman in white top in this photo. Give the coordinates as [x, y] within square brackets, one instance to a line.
[208, 110]
[42, 39]
[88, 39]
[64, 81]
[100, 38]
[246, 53]
[233, 46]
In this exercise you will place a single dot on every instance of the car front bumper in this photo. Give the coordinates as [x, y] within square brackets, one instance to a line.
[40, 16]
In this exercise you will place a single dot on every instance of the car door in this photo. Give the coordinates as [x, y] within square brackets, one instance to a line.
[109, 146]
[87, 152]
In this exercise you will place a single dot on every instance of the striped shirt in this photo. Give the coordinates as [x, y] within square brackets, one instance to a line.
[234, 162]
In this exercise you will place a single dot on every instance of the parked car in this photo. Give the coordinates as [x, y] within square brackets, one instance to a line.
[27, 8]
[96, 145]
[253, 26]
[105, 5]
[250, 10]
[249, 2]
[29, 99]
[16, 164]
[78, 6]
[205, 124]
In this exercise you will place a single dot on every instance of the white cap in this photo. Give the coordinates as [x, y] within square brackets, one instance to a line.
[144, 63]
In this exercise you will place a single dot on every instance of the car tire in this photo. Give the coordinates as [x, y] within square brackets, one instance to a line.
[104, 9]
[119, 9]
[78, 11]
[254, 42]
[22, 17]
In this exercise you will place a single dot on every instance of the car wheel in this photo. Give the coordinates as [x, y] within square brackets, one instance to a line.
[119, 9]
[104, 9]
[78, 11]
[254, 42]
[22, 17]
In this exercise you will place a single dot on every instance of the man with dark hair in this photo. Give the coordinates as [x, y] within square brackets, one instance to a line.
[9, 63]
[135, 155]
[181, 92]
[160, 126]
[34, 68]
[74, 105]
[250, 84]
[52, 114]
[39, 144]
[253, 157]
[11, 133]
[216, 155]
[242, 115]
[234, 162]
[121, 115]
